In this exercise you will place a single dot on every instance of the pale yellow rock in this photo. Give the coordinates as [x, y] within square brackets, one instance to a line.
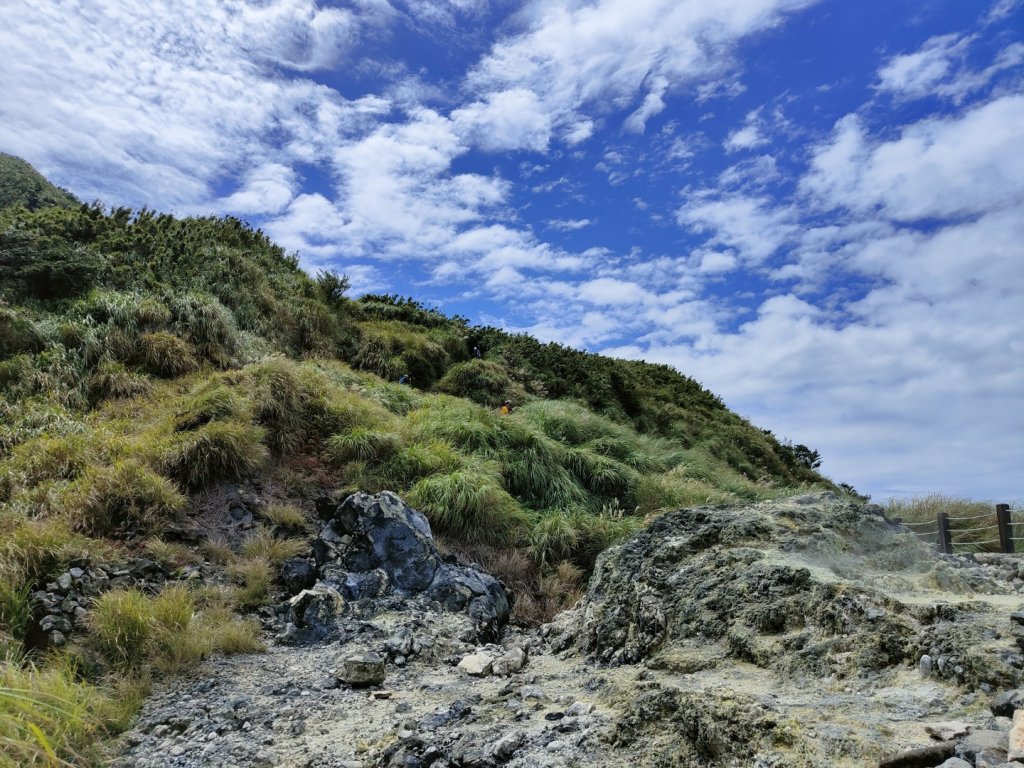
[1015, 750]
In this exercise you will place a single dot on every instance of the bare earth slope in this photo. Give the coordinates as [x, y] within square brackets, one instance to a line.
[801, 632]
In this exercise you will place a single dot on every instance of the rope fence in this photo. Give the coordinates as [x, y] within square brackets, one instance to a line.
[940, 533]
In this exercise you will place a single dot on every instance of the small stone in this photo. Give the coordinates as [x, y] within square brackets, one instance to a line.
[363, 670]
[555, 746]
[57, 639]
[947, 731]
[955, 762]
[925, 665]
[513, 661]
[64, 582]
[477, 664]
[579, 708]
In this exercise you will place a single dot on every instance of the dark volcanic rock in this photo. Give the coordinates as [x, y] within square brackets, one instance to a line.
[377, 546]
[298, 574]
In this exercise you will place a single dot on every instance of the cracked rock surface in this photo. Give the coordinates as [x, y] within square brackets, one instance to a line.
[806, 631]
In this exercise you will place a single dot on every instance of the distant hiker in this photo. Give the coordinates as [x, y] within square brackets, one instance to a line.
[476, 353]
[404, 379]
[506, 408]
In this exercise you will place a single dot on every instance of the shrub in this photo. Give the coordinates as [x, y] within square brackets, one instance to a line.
[471, 506]
[208, 325]
[164, 354]
[111, 380]
[105, 500]
[254, 578]
[122, 623]
[413, 462]
[19, 334]
[482, 381]
[285, 516]
[217, 451]
[262, 545]
[37, 549]
[212, 402]
[362, 445]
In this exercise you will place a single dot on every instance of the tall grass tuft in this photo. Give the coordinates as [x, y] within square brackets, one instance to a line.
[212, 402]
[164, 354]
[111, 380]
[470, 505]
[362, 444]
[105, 500]
[122, 623]
[223, 450]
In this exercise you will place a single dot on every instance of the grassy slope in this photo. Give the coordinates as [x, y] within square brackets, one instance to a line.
[146, 359]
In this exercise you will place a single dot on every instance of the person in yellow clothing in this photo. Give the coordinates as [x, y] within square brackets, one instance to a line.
[506, 408]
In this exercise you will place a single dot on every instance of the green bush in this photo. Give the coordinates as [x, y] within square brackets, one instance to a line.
[482, 381]
[212, 402]
[164, 354]
[208, 326]
[111, 380]
[471, 506]
[362, 445]
[122, 624]
[220, 450]
[107, 500]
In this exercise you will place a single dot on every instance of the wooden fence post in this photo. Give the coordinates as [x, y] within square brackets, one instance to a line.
[1005, 528]
[945, 537]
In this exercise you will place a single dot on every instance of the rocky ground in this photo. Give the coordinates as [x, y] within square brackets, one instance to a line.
[802, 632]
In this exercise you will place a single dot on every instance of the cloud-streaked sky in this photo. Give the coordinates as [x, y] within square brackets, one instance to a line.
[814, 207]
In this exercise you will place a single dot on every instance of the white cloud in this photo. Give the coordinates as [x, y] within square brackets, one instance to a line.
[152, 103]
[958, 166]
[915, 74]
[568, 225]
[939, 69]
[510, 119]
[606, 290]
[749, 136]
[581, 57]
[267, 189]
[752, 226]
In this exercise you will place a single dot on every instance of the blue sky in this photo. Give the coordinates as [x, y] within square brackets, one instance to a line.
[814, 207]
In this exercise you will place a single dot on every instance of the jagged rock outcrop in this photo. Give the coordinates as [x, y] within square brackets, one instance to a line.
[377, 546]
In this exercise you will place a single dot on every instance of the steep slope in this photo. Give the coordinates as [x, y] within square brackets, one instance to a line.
[21, 184]
[157, 372]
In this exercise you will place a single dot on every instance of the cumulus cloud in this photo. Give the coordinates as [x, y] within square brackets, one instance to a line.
[579, 57]
[938, 68]
[939, 167]
[156, 104]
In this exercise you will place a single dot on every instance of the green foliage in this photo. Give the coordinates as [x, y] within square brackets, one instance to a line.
[263, 545]
[122, 623]
[362, 444]
[392, 349]
[21, 184]
[220, 450]
[481, 381]
[127, 495]
[164, 354]
[111, 380]
[211, 402]
[470, 505]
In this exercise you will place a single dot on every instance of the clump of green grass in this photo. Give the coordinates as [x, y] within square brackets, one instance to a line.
[128, 494]
[208, 325]
[977, 533]
[122, 623]
[217, 549]
[112, 381]
[164, 354]
[49, 718]
[362, 444]
[253, 578]
[483, 381]
[285, 516]
[229, 633]
[213, 402]
[222, 450]
[170, 554]
[470, 505]
[263, 545]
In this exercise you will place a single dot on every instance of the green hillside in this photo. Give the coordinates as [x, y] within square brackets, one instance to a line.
[146, 360]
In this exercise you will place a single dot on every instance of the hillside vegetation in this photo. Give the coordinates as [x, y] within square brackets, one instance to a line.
[147, 360]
